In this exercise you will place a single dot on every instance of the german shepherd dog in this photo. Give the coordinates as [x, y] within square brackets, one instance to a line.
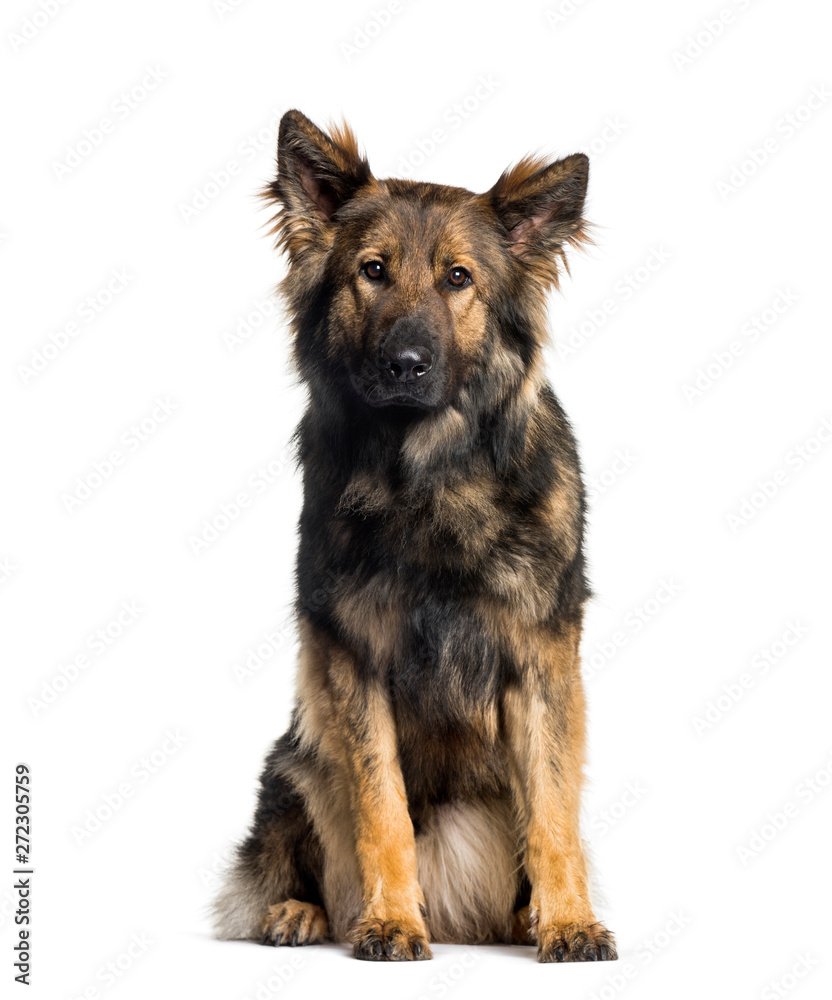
[428, 787]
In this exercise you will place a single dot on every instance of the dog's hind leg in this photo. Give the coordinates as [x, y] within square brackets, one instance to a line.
[272, 892]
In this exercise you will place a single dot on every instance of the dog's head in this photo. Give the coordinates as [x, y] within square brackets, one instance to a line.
[405, 292]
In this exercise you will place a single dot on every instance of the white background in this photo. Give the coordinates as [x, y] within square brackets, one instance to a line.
[711, 836]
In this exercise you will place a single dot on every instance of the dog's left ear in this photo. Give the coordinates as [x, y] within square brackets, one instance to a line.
[541, 208]
[316, 174]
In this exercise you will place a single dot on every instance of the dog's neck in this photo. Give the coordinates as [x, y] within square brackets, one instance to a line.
[417, 447]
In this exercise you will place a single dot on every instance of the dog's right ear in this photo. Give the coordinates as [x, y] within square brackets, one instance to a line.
[316, 174]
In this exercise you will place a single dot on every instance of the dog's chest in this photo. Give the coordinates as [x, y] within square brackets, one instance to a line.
[449, 752]
[449, 520]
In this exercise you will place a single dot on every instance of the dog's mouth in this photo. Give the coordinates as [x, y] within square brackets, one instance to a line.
[379, 393]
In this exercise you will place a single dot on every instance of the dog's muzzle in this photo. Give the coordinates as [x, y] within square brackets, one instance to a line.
[406, 369]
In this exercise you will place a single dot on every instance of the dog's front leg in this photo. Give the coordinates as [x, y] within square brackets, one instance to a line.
[545, 725]
[392, 925]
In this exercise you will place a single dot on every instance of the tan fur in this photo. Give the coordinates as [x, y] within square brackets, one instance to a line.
[433, 435]
[384, 841]
[544, 725]
[366, 494]
[466, 508]
[330, 811]
[372, 616]
[468, 863]
[295, 922]
[513, 178]
[345, 140]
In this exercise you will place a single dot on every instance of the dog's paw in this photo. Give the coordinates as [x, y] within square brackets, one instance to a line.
[390, 940]
[575, 943]
[292, 922]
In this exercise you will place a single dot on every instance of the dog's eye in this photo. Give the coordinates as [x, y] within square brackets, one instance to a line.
[458, 277]
[373, 269]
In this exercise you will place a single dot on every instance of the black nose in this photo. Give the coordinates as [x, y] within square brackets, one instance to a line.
[405, 364]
